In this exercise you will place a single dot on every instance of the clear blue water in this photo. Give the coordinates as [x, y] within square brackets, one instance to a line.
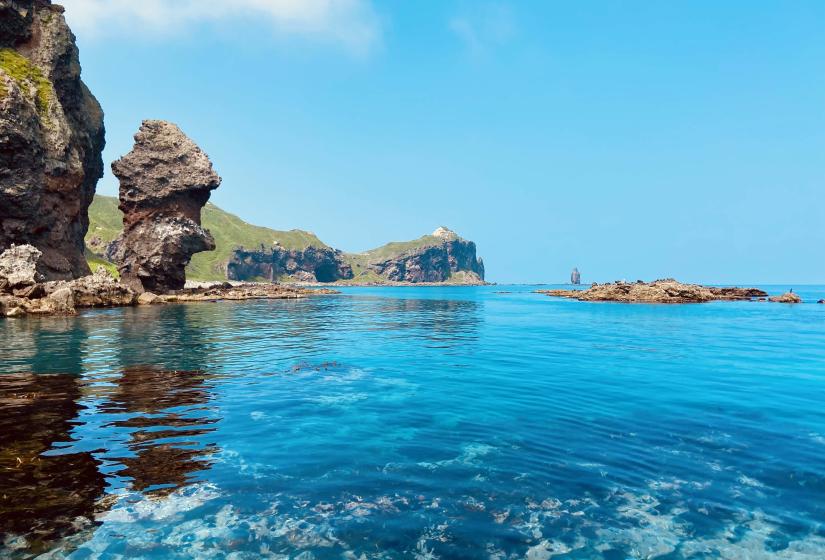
[416, 423]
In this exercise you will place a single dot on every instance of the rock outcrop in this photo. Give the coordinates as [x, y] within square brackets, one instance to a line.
[22, 292]
[447, 257]
[51, 138]
[18, 268]
[164, 183]
[575, 277]
[660, 291]
[312, 264]
[788, 297]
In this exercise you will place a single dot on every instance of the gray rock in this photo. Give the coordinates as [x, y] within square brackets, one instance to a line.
[164, 183]
[51, 138]
[18, 267]
[575, 277]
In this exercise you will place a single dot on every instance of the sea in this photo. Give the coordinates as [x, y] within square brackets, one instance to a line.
[441, 422]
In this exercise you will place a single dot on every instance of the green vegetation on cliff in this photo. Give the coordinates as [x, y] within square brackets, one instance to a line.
[229, 231]
[27, 75]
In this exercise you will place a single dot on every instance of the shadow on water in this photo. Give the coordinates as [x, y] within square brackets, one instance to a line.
[151, 426]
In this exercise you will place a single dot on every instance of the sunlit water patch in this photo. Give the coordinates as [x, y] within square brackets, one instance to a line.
[416, 423]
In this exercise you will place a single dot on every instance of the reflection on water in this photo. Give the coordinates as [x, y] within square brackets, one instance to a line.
[415, 424]
[44, 496]
[163, 437]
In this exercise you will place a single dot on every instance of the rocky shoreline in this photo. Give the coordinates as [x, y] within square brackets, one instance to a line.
[665, 291]
[23, 290]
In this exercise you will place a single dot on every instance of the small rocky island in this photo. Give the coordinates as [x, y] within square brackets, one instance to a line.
[659, 291]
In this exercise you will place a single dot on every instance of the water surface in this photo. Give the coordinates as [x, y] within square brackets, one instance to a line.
[416, 423]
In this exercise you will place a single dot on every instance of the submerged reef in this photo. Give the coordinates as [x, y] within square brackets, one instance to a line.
[659, 291]
[51, 138]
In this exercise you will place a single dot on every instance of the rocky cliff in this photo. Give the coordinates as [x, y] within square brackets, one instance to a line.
[51, 138]
[442, 256]
[164, 183]
[313, 264]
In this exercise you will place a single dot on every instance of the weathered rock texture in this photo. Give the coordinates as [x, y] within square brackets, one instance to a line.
[452, 258]
[51, 138]
[660, 291]
[18, 267]
[308, 265]
[788, 297]
[22, 292]
[164, 182]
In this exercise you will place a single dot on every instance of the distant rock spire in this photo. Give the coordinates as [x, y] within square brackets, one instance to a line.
[575, 277]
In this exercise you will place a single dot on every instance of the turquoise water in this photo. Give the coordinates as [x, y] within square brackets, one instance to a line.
[416, 423]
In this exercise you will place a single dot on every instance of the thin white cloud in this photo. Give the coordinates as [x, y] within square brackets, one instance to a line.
[351, 23]
[484, 26]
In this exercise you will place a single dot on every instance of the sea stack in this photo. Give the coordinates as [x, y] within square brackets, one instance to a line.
[165, 181]
[575, 277]
[51, 138]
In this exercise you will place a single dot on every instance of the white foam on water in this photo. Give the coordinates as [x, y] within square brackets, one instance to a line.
[134, 507]
[748, 481]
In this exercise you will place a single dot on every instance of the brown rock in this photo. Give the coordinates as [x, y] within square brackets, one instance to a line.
[51, 138]
[147, 298]
[660, 291]
[164, 182]
[788, 297]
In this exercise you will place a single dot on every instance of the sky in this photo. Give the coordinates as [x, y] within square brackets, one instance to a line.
[633, 140]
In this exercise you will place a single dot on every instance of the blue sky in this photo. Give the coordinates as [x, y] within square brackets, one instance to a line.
[630, 139]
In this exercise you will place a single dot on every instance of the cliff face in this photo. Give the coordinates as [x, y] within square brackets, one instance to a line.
[313, 264]
[440, 257]
[51, 138]
[164, 182]
[448, 258]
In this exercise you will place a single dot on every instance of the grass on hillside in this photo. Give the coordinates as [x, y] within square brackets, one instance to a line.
[26, 75]
[229, 231]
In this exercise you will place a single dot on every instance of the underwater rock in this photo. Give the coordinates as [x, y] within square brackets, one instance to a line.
[165, 181]
[51, 138]
[660, 291]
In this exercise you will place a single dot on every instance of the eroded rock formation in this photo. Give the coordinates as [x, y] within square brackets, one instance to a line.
[451, 258]
[575, 277]
[51, 138]
[312, 264]
[660, 291]
[164, 182]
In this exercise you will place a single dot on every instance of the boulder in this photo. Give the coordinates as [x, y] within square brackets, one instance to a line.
[164, 183]
[18, 267]
[51, 138]
[147, 298]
